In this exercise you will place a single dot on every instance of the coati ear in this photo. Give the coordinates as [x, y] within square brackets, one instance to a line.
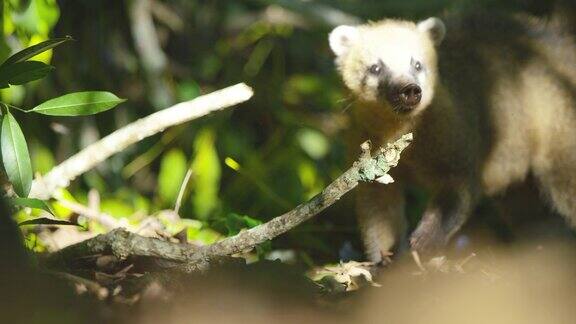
[341, 38]
[435, 29]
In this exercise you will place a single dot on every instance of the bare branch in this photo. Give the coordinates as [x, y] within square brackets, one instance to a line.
[147, 44]
[367, 168]
[88, 158]
[167, 15]
[123, 244]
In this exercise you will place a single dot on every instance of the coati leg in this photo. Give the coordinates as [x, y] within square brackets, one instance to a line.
[380, 210]
[558, 182]
[443, 217]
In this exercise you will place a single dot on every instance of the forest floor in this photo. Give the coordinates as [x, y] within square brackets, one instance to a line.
[514, 283]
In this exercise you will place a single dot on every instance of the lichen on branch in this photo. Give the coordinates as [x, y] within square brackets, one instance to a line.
[369, 167]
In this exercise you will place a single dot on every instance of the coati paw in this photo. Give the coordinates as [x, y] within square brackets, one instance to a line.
[381, 259]
[379, 265]
[429, 236]
[386, 258]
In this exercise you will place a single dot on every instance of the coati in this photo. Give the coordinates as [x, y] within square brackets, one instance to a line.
[490, 99]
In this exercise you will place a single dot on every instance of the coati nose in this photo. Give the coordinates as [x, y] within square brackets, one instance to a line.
[411, 94]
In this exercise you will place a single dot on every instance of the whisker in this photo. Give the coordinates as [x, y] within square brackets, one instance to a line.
[347, 107]
[344, 99]
[351, 101]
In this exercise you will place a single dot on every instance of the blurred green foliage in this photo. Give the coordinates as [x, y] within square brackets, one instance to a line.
[206, 182]
[280, 148]
[172, 171]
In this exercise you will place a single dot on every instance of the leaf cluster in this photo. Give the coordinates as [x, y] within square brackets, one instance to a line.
[20, 69]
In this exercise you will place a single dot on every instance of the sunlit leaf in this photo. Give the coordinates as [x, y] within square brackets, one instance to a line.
[15, 156]
[232, 164]
[44, 57]
[172, 171]
[31, 51]
[32, 203]
[23, 72]
[207, 169]
[47, 221]
[313, 143]
[78, 104]
[59, 209]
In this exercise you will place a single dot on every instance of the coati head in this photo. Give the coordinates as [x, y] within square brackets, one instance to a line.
[391, 62]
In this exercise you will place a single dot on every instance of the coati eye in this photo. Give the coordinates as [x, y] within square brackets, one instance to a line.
[418, 66]
[375, 69]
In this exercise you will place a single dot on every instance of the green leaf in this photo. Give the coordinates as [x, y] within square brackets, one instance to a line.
[32, 203]
[34, 50]
[207, 172]
[47, 221]
[78, 104]
[23, 72]
[15, 156]
[173, 168]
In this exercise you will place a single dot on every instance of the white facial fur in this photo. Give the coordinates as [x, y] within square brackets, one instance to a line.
[398, 44]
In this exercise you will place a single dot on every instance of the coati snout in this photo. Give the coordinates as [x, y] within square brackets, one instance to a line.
[402, 93]
[404, 98]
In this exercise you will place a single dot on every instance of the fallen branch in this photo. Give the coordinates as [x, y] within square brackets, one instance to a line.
[367, 168]
[88, 158]
[123, 244]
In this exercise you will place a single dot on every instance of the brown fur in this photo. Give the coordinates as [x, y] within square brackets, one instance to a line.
[503, 106]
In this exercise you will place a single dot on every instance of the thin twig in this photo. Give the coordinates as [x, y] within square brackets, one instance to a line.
[182, 190]
[460, 265]
[88, 158]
